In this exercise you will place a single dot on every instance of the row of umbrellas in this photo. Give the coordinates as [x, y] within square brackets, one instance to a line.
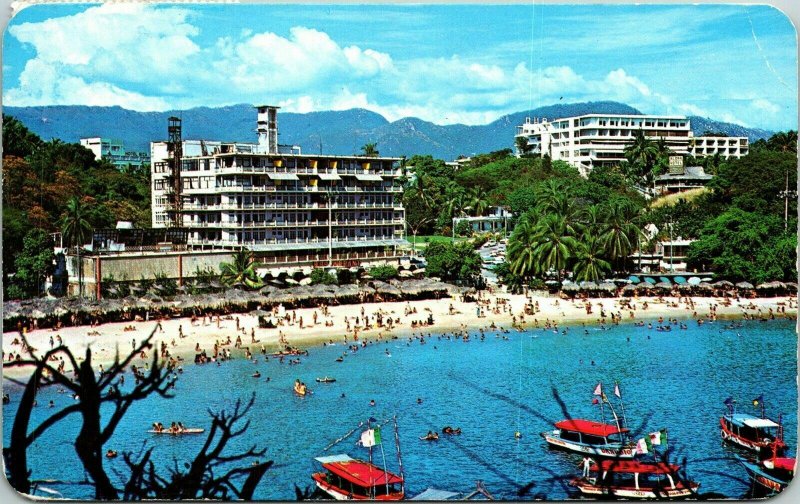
[236, 296]
[685, 286]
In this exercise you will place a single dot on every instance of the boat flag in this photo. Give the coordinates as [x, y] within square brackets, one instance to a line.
[657, 438]
[641, 446]
[595, 401]
[758, 400]
[371, 437]
[598, 390]
[616, 391]
[728, 401]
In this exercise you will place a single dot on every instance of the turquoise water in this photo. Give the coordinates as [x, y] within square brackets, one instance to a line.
[491, 388]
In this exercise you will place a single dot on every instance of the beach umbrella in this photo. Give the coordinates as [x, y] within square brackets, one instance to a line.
[650, 280]
[791, 286]
[635, 279]
[705, 286]
[292, 281]
[679, 280]
[723, 284]
[570, 287]
[744, 286]
[588, 286]
[389, 290]
[260, 313]
[305, 281]
[644, 286]
[666, 286]
[405, 274]
[607, 287]
[685, 287]
[629, 289]
[694, 280]
[346, 291]
[664, 280]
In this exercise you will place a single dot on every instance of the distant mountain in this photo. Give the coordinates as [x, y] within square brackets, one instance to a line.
[339, 132]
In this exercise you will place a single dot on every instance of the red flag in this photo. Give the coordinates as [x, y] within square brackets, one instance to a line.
[598, 390]
[595, 401]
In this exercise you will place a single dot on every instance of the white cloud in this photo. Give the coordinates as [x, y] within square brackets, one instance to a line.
[149, 58]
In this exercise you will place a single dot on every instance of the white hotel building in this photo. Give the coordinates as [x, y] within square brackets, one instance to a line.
[290, 209]
[594, 140]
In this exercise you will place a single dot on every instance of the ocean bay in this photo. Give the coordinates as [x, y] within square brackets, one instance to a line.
[490, 389]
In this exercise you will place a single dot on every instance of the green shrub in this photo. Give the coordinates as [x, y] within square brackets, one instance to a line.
[383, 273]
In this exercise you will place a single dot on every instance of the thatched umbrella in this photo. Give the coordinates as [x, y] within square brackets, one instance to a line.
[629, 289]
[588, 286]
[322, 292]
[685, 287]
[663, 286]
[388, 290]
[607, 287]
[704, 287]
[570, 287]
[791, 286]
[744, 286]
[346, 291]
[260, 313]
[644, 286]
[723, 284]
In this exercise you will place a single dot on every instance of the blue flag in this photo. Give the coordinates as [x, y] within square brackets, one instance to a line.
[728, 401]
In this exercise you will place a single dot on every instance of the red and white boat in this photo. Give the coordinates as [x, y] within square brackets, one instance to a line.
[747, 431]
[634, 479]
[591, 438]
[346, 478]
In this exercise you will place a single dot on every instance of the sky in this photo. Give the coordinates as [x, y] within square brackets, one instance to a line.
[446, 64]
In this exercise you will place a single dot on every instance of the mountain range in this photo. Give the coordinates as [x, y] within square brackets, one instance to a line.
[335, 132]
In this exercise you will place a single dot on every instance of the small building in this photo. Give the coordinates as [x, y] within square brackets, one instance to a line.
[682, 179]
[727, 147]
[114, 151]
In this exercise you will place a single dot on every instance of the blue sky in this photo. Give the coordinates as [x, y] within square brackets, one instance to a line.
[446, 64]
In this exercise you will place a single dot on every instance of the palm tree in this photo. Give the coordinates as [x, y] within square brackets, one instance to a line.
[552, 199]
[555, 245]
[478, 203]
[642, 154]
[241, 270]
[784, 141]
[521, 255]
[590, 265]
[370, 150]
[619, 233]
[457, 202]
[77, 231]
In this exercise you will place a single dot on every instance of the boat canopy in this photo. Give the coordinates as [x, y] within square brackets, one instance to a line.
[760, 423]
[434, 494]
[589, 427]
[743, 419]
[358, 472]
[634, 466]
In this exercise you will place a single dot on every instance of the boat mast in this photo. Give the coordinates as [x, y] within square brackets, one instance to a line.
[622, 405]
[399, 457]
[371, 481]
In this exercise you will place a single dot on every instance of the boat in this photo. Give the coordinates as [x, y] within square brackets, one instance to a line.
[634, 479]
[749, 431]
[177, 432]
[771, 471]
[326, 379]
[434, 494]
[591, 438]
[347, 478]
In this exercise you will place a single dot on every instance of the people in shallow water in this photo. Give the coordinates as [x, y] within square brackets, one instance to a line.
[111, 453]
[372, 402]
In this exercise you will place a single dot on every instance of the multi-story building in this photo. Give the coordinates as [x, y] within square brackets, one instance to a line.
[593, 140]
[726, 147]
[288, 208]
[114, 151]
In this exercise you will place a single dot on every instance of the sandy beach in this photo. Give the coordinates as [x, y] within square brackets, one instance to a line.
[345, 323]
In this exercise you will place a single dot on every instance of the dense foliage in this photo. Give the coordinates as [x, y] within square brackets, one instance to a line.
[455, 262]
[40, 179]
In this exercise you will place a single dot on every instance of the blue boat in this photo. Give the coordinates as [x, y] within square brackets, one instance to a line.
[770, 476]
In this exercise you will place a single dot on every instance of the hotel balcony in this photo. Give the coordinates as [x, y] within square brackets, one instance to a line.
[291, 224]
[287, 206]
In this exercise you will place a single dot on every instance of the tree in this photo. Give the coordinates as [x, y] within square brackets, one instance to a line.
[554, 246]
[523, 147]
[783, 141]
[452, 261]
[320, 276]
[370, 150]
[589, 264]
[619, 234]
[241, 270]
[33, 264]
[18, 140]
[104, 393]
[642, 155]
[521, 255]
[418, 215]
[384, 272]
[76, 231]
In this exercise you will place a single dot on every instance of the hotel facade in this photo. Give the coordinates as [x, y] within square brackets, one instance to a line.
[592, 140]
[289, 208]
